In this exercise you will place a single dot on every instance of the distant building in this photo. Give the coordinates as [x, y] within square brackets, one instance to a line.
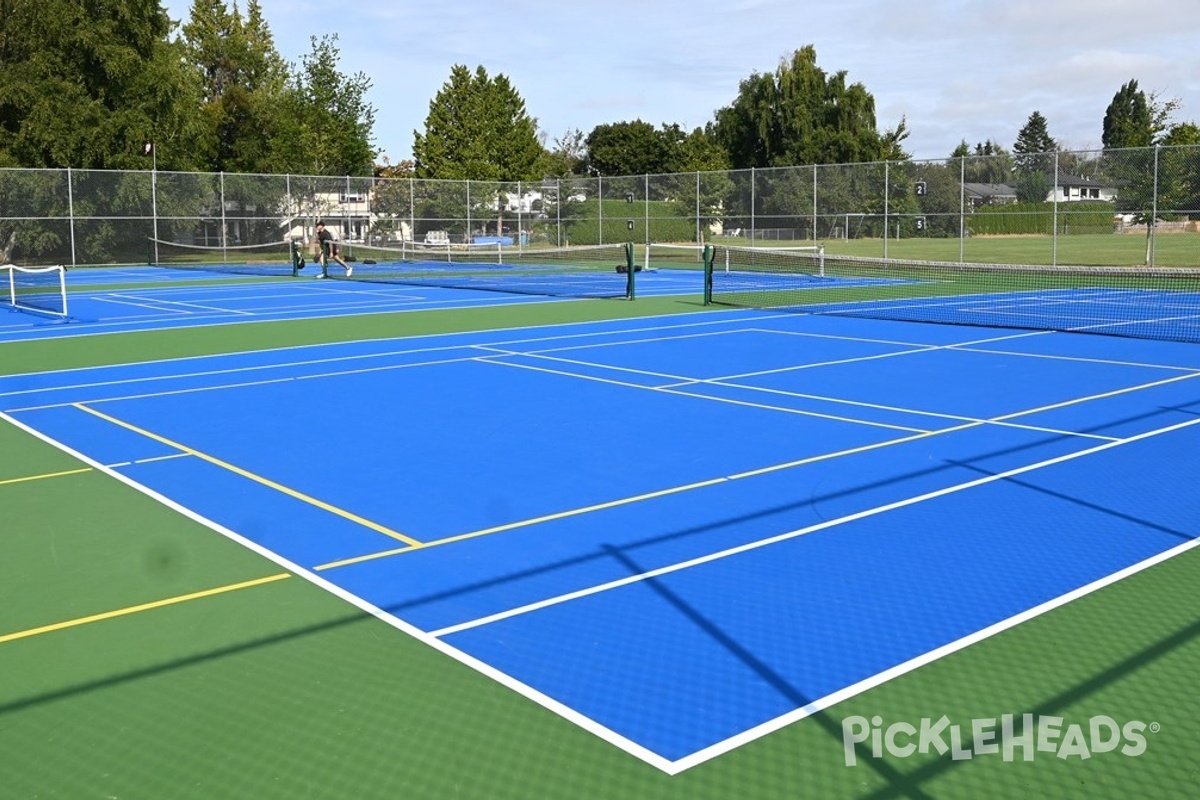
[1074, 188]
[1067, 189]
[988, 194]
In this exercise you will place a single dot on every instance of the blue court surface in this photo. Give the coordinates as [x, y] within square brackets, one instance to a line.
[113, 299]
[680, 532]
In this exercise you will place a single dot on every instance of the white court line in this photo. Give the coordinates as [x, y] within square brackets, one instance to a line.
[709, 320]
[338, 359]
[709, 398]
[1002, 420]
[151, 460]
[566, 712]
[763, 729]
[783, 537]
[782, 721]
[198, 306]
[137, 302]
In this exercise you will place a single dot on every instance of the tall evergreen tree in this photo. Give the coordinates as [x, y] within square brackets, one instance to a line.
[241, 78]
[478, 129]
[1127, 121]
[1034, 149]
[85, 84]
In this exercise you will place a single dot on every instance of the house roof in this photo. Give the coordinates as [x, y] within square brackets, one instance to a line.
[985, 191]
[1077, 180]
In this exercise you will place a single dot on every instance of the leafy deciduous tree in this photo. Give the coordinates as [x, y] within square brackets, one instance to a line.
[801, 115]
[324, 123]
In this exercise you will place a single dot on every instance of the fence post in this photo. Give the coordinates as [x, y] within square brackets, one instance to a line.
[1154, 208]
[71, 213]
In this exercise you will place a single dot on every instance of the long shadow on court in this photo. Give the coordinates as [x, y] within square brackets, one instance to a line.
[765, 513]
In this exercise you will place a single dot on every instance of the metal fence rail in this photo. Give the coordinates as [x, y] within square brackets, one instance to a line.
[81, 217]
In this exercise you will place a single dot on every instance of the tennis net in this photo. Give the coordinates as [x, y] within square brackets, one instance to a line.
[281, 258]
[581, 271]
[39, 289]
[1144, 302]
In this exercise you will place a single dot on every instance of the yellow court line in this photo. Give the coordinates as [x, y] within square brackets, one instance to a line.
[648, 496]
[366, 523]
[524, 523]
[121, 612]
[916, 436]
[64, 473]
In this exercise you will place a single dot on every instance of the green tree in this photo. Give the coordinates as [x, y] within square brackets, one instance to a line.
[86, 84]
[698, 151]
[800, 115]
[628, 148]
[1134, 124]
[1179, 168]
[324, 124]
[987, 163]
[567, 157]
[1128, 121]
[478, 129]
[241, 78]
[1034, 149]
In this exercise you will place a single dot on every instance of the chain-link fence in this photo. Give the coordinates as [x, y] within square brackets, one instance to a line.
[1082, 207]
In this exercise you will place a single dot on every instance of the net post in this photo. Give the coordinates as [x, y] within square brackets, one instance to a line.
[295, 252]
[630, 271]
[62, 288]
[149, 251]
[709, 252]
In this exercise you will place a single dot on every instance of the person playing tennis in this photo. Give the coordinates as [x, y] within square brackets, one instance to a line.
[327, 248]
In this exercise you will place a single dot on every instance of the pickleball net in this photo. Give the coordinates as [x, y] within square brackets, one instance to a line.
[42, 290]
[279, 259]
[581, 271]
[1143, 302]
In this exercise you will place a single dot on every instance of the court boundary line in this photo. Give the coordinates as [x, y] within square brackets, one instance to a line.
[483, 668]
[818, 526]
[506, 681]
[745, 737]
[914, 346]
[447, 334]
[244, 473]
[913, 664]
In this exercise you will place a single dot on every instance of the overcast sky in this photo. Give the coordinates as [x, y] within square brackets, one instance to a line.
[955, 70]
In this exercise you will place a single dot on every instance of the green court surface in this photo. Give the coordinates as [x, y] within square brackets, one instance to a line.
[142, 655]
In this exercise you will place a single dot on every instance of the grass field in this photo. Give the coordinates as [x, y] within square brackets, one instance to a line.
[144, 656]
